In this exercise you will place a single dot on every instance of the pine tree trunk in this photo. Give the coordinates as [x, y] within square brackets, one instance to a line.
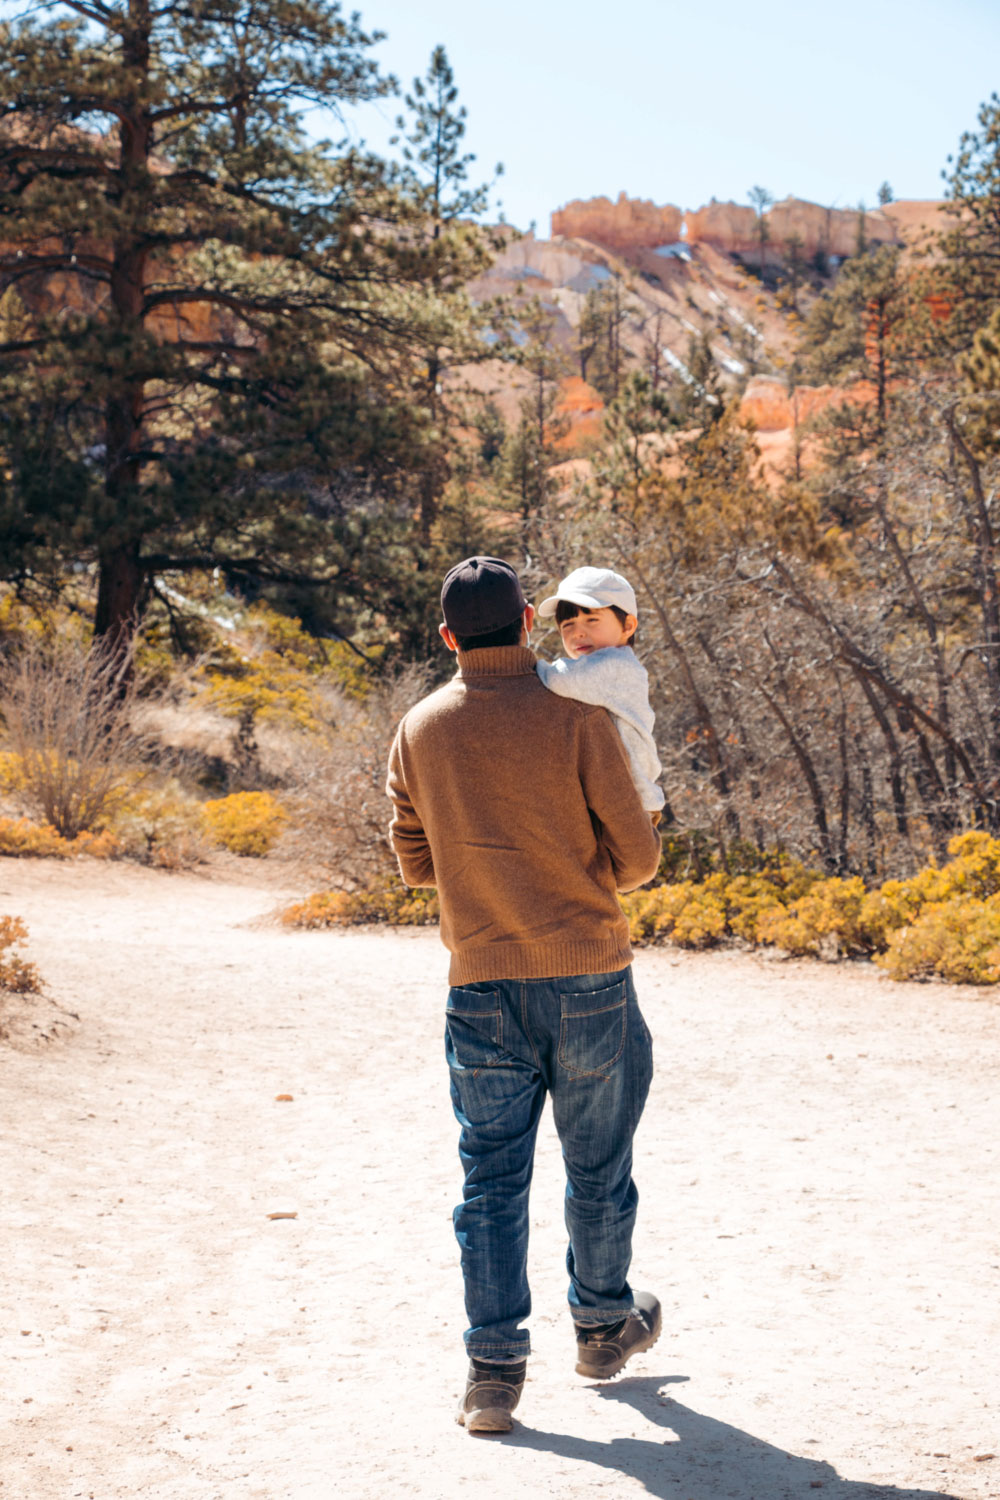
[120, 593]
[121, 580]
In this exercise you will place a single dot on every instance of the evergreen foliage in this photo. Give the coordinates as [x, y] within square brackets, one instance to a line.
[213, 330]
[600, 345]
[971, 246]
[447, 207]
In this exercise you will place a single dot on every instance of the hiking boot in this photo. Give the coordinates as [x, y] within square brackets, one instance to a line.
[491, 1394]
[602, 1352]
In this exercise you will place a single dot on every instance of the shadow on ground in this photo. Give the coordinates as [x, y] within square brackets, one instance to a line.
[694, 1457]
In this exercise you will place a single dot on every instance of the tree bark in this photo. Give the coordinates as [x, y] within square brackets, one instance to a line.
[121, 593]
[121, 582]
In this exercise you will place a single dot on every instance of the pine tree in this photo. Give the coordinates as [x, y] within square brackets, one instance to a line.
[529, 451]
[222, 335]
[761, 200]
[863, 329]
[971, 246]
[602, 351]
[700, 399]
[980, 412]
[432, 140]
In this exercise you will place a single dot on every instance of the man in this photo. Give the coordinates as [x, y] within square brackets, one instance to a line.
[520, 807]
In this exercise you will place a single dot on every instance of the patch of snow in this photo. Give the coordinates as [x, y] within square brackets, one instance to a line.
[587, 278]
[685, 374]
[194, 606]
[676, 251]
[679, 365]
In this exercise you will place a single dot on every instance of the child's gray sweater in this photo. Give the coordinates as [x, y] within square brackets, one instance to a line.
[615, 679]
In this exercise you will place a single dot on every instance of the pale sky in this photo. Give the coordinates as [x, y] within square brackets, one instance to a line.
[681, 102]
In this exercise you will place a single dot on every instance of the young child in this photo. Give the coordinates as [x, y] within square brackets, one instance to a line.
[595, 610]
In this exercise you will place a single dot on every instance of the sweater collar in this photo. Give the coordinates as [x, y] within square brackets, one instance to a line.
[497, 661]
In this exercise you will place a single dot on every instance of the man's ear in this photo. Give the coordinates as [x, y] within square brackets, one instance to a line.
[448, 638]
[631, 625]
[528, 618]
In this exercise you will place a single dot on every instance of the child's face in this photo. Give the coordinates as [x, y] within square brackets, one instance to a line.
[592, 629]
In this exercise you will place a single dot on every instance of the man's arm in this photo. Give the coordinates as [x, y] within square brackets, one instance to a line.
[626, 830]
[406, 832]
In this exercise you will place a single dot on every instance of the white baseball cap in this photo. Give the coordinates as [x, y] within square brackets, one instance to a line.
[592, 588]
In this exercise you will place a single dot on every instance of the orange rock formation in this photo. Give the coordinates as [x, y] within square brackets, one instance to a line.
[581, 409]
[635, 224]
[768, 404]
[631, 223]
[727, 226]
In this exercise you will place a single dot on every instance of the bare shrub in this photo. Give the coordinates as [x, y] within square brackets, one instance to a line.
[336, 791]
[67, 716]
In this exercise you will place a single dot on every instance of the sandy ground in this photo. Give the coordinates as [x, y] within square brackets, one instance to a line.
[819, 1215]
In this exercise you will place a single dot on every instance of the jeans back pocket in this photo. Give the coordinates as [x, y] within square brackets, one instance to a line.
[592, 1029]
[474, 1027]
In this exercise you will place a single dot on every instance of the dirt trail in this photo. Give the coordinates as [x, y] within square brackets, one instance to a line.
[820, 1215]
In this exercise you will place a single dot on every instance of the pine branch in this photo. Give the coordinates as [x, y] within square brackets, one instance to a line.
[17, 268]
[101, 15]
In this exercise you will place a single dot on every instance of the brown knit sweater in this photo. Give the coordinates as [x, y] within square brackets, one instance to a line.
[519, 806]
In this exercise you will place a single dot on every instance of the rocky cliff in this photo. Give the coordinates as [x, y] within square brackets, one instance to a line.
[630, 223]
[636, 224]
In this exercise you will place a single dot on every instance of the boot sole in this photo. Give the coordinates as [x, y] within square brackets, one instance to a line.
[486, 1419]
[607, 1373]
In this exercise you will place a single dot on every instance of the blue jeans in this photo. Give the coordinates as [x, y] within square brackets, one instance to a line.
[582, 1039]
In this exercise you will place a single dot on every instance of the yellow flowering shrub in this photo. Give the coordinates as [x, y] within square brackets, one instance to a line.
[826, 919]
[652, 914]
[973, 870]
[21, 622]
[21, 837]
[16, 973]
[749, 898]
[697, 914]
[158, 825]
[941, 923]
[11, 771]
[162, 825]
[246, 823]
[701, 921]
[268, 687]
[386, 901]
[895, 904]
[957, 940]
[271, 670]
